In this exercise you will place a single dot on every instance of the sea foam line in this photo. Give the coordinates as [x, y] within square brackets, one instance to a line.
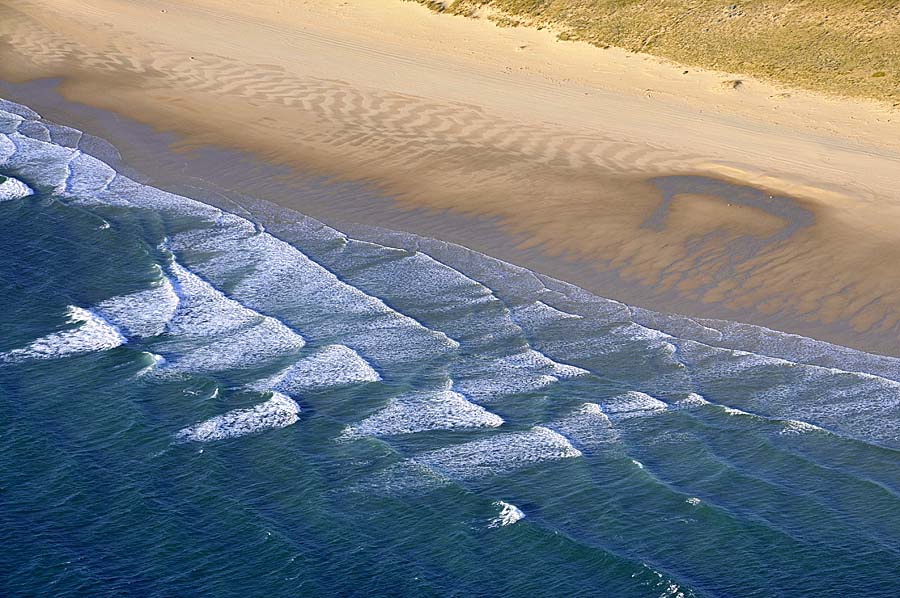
[279, 411]
[12, 189]
[52, 164]
[508, 515]
[92, 333]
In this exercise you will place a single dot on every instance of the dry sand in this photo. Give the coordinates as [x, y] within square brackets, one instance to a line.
[576, 149]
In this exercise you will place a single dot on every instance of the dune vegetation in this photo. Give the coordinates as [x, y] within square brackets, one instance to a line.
[842, 47]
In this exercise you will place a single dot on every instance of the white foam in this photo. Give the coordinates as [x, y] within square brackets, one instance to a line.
[539, 313]
[496, 384]
[498, 453]
[8, 108]
[626, 338]
[88, 176]
[425, 280]
[734, 411]
[265, 341]
[13, 188]
[508, 515]
[7, 147]
[672, 590]
[789, 426]
[799, 427]
[65, 136]
[157, 361]
[485, 378]
[272, 274]
[692, 400]
[637, 332]
[278, 412]
[329, 367]
[854, 404]
[212, 332]
[424, 411]
[11, 115]
[693, 501]
[144, 313]
[282, 278]
[469, 312]
[633, 404]
[45, 163]
[595, 340]
[34, 129]
[273, 277]
[712, 363]
[587, 427]
[202, 310]
[801, 349]
[93, 333]
[535, 360]
[676, 325]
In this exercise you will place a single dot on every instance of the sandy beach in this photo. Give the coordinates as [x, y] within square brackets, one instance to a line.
[680, 189]
[364, 298]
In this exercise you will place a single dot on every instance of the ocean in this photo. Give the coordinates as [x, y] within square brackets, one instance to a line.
[238, 399]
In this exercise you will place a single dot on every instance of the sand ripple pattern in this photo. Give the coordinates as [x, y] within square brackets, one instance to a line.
[763, 263]
[432, 367]
[474, 331]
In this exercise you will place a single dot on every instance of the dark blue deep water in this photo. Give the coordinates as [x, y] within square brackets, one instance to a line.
[244, 401]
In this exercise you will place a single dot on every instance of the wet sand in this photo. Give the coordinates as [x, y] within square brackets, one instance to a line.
[610, 170]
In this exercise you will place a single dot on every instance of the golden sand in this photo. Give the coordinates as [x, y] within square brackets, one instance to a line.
[558, 142]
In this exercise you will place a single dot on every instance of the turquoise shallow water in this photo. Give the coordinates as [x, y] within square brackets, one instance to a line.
[240, 400]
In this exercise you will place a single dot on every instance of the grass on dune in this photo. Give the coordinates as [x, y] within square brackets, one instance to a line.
[843, 47]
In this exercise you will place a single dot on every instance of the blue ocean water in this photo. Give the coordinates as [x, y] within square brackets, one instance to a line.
[240, 400]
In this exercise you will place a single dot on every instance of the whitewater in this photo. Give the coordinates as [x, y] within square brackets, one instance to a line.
[197, 401]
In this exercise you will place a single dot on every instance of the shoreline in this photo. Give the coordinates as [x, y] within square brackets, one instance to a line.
[502, 277]
[530, 156]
